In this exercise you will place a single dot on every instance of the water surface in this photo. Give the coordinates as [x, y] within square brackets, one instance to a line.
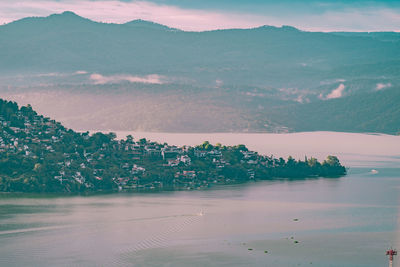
[349, 221]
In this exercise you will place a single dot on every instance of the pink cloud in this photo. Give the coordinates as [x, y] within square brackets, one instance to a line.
[380, 86]
[80, 72]
[151, 79]
[336, 93]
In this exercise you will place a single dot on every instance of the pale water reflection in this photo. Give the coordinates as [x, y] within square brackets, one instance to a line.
[348, 221]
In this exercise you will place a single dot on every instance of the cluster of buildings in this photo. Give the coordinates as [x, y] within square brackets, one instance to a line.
[36, 131]
[125, 162]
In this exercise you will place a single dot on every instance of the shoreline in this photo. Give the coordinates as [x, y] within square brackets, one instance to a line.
[216, 186]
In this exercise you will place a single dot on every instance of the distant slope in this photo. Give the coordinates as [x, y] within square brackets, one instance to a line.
[375, 112]
[148, 25]
[261, 56]
[150, 108]
[145, 76]
[383, 36]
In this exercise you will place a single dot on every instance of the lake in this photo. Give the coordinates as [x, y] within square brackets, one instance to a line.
[348, 221]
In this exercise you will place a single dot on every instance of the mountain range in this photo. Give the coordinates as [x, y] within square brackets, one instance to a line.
[145, 76]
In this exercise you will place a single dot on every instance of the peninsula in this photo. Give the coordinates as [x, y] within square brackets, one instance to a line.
[38, 154]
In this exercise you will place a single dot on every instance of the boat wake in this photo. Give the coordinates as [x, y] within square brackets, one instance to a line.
[162, 239]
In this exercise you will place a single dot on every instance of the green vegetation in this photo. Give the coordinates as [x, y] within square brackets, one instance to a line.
[373, 112]
[38, 154]
[265, 79]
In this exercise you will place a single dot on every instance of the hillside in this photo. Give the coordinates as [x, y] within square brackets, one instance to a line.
[374, 112]
[38, 154]
[145, 76]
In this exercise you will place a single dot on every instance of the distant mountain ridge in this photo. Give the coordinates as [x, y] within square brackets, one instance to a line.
[149, 24]
[74, 35]
[222, 80]
[71, 17]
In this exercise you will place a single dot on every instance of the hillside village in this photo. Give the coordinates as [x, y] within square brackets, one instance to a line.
[38, 154]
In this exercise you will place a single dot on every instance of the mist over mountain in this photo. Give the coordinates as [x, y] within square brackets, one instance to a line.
[145, 76]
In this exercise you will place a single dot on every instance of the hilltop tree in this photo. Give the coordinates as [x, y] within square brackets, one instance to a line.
[331, 161]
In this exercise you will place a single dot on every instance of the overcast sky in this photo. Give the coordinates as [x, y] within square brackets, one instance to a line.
[198, 15]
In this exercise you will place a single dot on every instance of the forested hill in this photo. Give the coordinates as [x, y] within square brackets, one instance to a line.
[375, 112]
[38, 154]
[157, 78]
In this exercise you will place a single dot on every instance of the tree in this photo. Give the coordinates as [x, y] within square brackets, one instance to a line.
[112, 136]
[143, 141]
[129, 138]
[290, 161]
[332, 161]
[37, 167]
[241, 147]
[312, 162]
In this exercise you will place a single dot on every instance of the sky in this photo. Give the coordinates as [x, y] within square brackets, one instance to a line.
[200, 15]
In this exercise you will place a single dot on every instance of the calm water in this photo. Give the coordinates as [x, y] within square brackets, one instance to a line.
[348, 221]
